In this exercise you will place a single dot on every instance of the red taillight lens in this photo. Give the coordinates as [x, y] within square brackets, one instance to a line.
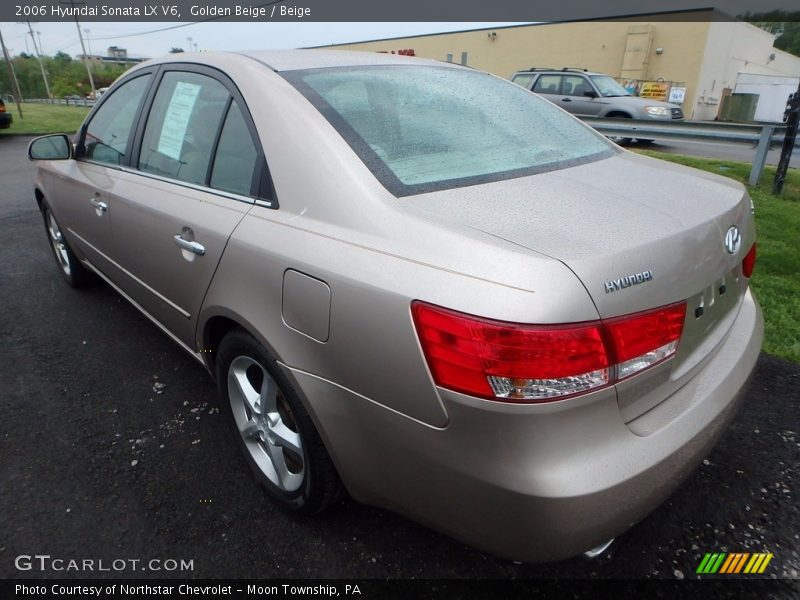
[535, 363]
[471, 354]
[749, 262]
[2, 108]
[644, 339]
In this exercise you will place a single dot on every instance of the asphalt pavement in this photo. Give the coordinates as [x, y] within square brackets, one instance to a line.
[96, 464]
[738, 152]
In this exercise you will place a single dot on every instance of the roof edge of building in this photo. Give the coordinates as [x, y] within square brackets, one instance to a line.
[709, 9]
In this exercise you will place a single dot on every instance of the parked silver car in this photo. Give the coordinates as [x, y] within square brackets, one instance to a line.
[419, 283]
[589, 94]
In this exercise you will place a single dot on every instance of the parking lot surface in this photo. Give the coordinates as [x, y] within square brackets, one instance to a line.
[97, 462]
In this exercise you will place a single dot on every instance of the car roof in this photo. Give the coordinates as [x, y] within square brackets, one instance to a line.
[293, 60]
[567, 71]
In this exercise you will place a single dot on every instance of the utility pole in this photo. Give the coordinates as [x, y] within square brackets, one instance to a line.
[12, 75]
[88, 39]
[791, 116]
[39, 58]
[86, 59]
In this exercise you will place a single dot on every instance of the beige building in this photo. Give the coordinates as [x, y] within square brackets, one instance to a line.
[688, 50]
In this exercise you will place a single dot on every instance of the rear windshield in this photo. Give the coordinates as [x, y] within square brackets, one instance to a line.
[423, 129]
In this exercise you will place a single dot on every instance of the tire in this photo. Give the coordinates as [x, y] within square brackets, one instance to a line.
[74, 273]
[620, 141]
[276, 433]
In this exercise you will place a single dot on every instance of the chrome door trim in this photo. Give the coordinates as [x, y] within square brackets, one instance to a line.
[196, 355]
[132, 276]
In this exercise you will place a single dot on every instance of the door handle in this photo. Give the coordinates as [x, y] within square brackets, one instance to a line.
[566, 100]
[99, 206]
[193, 247]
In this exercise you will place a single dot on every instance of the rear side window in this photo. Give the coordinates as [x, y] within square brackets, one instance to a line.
[182, 127]
[109, 131]
[235, 161]
[547, 84]
[523, 80]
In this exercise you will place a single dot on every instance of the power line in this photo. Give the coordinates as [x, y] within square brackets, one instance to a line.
[180, 25]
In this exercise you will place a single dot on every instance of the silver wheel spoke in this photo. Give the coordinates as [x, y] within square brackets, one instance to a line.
[269, 394]
[271, 444]
[57, 241]
[286, 438]
[249, 394]
[250, 430]
[287, 479]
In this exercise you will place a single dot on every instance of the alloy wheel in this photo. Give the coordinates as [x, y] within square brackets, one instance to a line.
[57, 241]
[266, 423]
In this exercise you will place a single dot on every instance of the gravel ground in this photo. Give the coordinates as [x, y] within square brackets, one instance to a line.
[112, 446]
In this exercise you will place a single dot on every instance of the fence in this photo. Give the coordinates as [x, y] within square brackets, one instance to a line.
[760, 137]
[70, 101]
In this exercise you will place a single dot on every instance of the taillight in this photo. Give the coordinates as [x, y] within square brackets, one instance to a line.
[2, 108]
[644, 339]
[515, 362]
[749, 262]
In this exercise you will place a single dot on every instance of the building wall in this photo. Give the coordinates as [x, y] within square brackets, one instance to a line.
[733, 48]
[706, 56]
[594, 45]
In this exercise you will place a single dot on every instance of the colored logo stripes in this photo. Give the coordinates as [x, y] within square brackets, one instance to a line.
[734, 562]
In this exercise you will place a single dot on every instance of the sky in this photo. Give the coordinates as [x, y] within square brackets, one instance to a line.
[209, 36]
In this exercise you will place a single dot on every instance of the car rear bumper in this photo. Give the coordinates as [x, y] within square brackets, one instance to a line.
[5, 120]
[535, 482]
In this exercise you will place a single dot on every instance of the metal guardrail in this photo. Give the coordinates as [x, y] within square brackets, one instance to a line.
[77, 101]
[760, 137]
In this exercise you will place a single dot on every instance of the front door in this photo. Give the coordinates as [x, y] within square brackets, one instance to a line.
[89, 184]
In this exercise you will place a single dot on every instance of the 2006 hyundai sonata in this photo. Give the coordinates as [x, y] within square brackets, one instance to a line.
[419, 283]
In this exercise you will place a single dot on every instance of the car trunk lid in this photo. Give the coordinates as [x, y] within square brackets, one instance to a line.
[638, 233]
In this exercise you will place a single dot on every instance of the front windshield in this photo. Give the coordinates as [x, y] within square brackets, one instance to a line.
[422, 128]
[609, 86]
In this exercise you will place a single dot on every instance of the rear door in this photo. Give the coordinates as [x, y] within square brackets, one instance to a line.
[198, 169]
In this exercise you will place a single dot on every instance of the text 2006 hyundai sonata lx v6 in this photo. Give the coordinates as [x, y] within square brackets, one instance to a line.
[420, 284]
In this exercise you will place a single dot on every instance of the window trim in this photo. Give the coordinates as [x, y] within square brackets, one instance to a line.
[263, 185]
[80, 148]
[261, 194]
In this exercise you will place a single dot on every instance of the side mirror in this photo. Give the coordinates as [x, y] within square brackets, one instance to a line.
[50, 147]
[590, 94]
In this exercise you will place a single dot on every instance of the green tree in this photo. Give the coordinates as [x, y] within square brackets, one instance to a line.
[783, 23]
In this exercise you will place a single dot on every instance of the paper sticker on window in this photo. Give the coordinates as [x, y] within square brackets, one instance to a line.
[176, 120]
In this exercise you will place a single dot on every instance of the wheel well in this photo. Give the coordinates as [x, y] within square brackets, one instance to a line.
[618, 114]
[215, 329]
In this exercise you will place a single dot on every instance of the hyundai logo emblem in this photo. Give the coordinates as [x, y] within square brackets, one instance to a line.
[733, 240]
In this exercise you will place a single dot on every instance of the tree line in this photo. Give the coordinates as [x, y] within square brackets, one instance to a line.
[784, 23]
[66, 76]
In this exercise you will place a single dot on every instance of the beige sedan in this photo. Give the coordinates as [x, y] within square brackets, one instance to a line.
[418, 283]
